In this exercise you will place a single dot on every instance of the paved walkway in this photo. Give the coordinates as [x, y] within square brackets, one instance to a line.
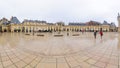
[18, 50]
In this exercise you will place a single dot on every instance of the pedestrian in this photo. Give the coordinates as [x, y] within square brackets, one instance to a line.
[101, 33]
[95, 34]
[67, 34]
[82, 31]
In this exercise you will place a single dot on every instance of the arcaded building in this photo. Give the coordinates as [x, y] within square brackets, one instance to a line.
[14, 25]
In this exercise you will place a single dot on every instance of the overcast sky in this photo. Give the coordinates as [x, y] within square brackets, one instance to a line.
[61, 10]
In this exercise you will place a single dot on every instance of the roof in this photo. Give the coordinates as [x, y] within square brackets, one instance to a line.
[14, 20]
[77, 24]
[35, 21]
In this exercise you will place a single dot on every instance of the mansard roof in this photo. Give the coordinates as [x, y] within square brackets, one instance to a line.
[77, 24]
[34, 21]
[14, 20]
[93, 23]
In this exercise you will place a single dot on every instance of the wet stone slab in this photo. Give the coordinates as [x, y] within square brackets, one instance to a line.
[18, 50]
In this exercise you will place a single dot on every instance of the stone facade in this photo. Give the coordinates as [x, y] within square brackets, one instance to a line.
[38, 26]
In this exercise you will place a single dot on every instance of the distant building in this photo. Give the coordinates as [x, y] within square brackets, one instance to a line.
[113, 27]
[4, 21]
[4, 24]
[14, 25]
[60, 23]
[92, 26]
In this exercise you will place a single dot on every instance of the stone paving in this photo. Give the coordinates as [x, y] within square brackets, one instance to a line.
[18, 50]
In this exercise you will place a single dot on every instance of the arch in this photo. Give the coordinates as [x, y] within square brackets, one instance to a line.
[5, 30]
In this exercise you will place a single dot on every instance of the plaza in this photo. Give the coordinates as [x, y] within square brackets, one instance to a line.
[45, 50]
[60, 34]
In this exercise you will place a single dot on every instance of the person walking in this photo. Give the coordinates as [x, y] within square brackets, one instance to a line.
[95, 34]
[82, 31]
[101, 33]
[67, 34]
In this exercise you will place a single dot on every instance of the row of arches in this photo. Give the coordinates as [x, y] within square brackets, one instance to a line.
[55, 30]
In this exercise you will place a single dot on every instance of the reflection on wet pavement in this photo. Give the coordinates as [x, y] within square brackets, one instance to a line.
[18, 50]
